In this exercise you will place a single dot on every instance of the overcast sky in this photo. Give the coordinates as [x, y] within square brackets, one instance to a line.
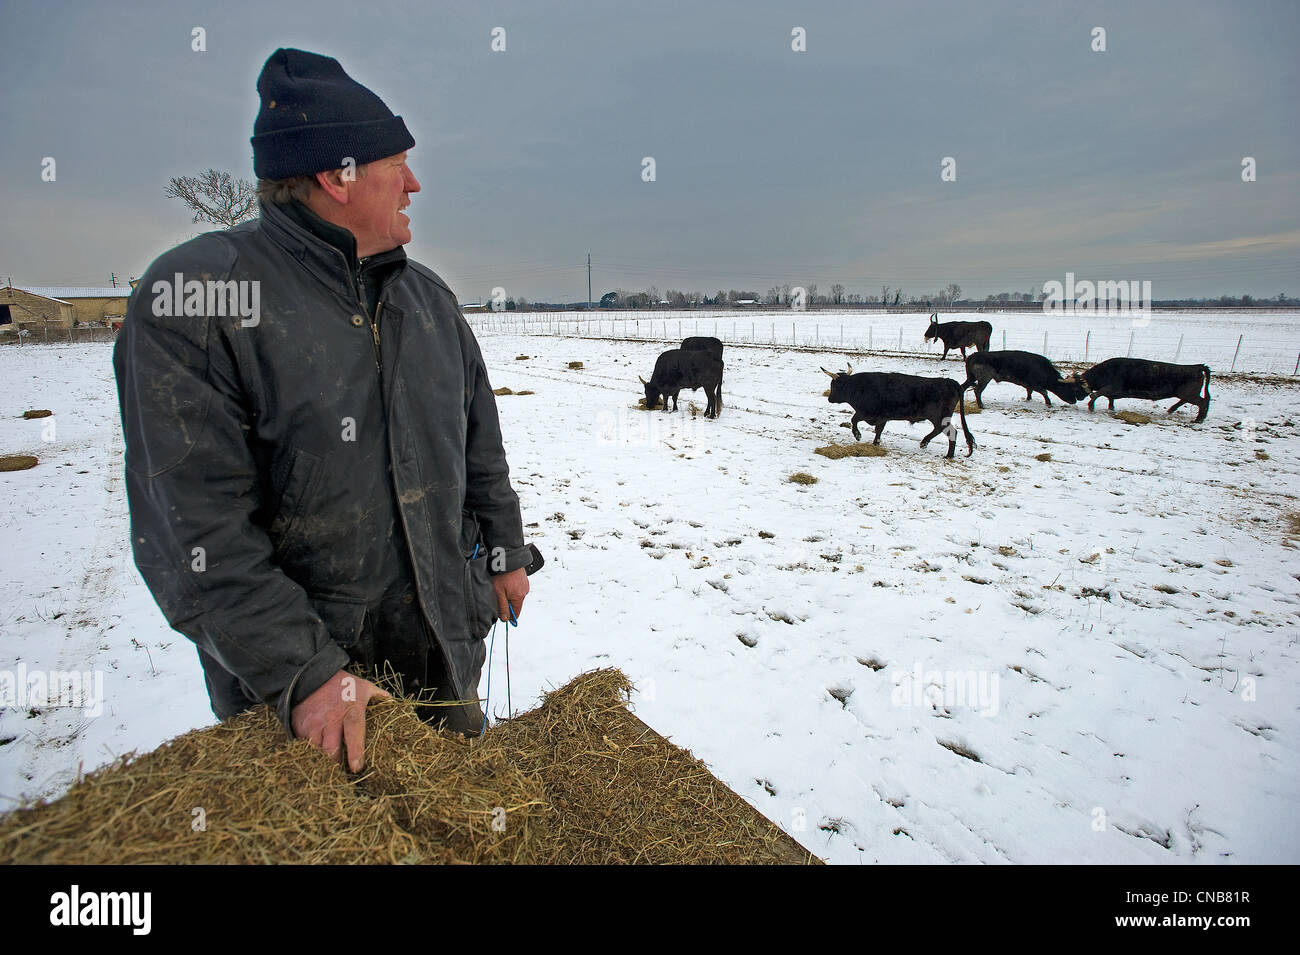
[771, 165]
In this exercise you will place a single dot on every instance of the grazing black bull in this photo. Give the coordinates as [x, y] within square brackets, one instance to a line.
[703, 343]
[879, 397]
[678, 369]
[959, 335]
[1153, 380]
[1029, 371]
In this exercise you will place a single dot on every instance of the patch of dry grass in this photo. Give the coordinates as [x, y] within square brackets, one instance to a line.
[863, 449]
[1133, 417]
[17, 462]
[802, 477]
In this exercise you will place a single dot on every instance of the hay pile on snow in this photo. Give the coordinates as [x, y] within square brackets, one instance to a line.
[577, 780]
[1133, 417]
[862, 449]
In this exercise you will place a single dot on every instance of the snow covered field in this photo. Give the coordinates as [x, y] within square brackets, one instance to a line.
[1078, 645]
[1266, 342]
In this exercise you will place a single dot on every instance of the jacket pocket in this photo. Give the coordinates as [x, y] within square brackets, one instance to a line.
[297, 489]
[480, 598]
[344, 620]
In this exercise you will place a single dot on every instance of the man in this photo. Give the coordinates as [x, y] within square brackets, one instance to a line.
[314, 463]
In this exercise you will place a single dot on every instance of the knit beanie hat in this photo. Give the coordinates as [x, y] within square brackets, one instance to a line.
[314, 116]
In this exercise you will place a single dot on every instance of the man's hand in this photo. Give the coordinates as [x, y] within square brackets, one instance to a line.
[511, 589]
[334, 717]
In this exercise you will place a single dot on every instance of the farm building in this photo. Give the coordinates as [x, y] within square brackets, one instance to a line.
[44, 309]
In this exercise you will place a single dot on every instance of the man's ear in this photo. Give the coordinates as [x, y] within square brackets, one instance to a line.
[331, 182]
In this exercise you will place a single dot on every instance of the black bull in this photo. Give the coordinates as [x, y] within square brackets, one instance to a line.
[1153, 380]
[1029, 371]
[879, 397]
[959, 335]
[677, 369]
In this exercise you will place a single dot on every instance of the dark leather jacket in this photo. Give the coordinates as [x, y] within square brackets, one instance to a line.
[286, 471]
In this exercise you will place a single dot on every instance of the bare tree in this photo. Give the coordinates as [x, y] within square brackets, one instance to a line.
[837, 294]
[952, 292]
[215, 197]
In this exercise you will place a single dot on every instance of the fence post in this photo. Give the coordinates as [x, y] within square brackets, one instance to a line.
[1131, 333]
[1086, 340]
[1044, 344]
[751, 332]
[774, 333]
[900, 339]
[1004, 339]
[841, 334]
[1234, 354]
[870, 343]
[1179, 350]
[1297, 365]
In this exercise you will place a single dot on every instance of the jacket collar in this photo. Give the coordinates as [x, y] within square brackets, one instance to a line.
[326, 250]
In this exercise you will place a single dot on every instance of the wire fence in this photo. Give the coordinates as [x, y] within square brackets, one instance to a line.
[1225, 342]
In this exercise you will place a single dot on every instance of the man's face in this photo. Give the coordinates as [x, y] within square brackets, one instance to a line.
[377, 199]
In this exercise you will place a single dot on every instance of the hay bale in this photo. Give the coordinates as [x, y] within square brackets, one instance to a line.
[502, 391]
[1133, 417]
[17, 462]
[1043, 457]
[802, 477]
[259, 798]
[864, 449]
[577, 780]
[970, 409]
[38, 413]
[521, 358]
[575, 365]
[525, 392]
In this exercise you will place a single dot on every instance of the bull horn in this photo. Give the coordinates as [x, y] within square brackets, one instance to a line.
[934, 317]
[850, 371]
[830, 373]
[643, 381]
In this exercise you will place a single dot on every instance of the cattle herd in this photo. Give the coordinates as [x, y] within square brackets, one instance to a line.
[880, 397]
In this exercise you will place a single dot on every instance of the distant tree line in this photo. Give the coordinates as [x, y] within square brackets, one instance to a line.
[783, 296]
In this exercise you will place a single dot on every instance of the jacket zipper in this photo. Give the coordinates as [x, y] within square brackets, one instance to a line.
[374, 319]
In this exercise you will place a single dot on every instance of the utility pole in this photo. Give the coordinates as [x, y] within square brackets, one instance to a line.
[113, 278]
[589, 281]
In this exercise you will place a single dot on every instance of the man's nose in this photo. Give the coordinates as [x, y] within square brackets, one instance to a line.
[412, 184]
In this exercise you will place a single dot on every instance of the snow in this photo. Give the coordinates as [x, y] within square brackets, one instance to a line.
[1111, 633]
